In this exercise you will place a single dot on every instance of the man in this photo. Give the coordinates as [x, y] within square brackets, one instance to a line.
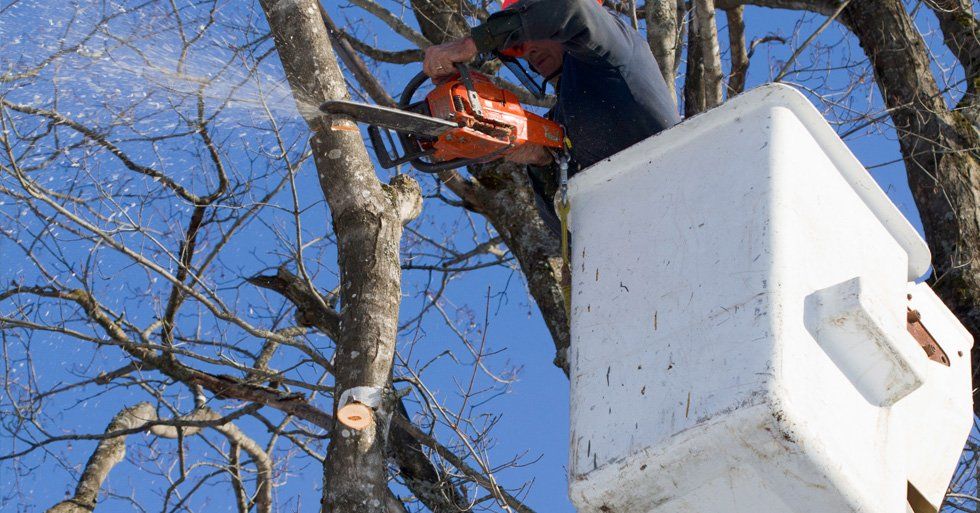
[610, 91]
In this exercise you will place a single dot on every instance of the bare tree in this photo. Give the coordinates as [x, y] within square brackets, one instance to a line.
[138, 165]
[165, 233]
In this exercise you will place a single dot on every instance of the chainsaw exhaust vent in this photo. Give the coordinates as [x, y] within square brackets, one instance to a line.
[741, 330]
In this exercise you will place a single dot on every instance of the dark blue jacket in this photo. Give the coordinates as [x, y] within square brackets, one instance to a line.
[611, 94]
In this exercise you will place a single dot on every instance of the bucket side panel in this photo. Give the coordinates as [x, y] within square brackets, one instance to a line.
[670, 322]
[824, 235]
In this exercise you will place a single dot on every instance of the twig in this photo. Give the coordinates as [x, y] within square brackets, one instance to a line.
[799, 49]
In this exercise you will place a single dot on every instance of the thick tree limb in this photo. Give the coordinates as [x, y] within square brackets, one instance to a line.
[961, 33]
[107, 455]
[502, 194]
[310, 311]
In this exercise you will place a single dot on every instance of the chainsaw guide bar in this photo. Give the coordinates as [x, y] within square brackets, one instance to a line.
[391, 118]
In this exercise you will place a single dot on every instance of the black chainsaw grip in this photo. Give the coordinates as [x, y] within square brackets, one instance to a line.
[380, 149]
[411, 87]
[435, 167]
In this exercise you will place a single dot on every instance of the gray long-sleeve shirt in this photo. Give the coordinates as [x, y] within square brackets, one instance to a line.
[611, 93]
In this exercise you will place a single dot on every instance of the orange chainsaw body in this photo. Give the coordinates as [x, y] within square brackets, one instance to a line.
[500, 128]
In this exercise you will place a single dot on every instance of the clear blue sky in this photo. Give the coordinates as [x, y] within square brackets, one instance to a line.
[532, 409]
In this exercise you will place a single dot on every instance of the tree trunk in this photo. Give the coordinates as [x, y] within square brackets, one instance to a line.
[940, 148]
[367, 218]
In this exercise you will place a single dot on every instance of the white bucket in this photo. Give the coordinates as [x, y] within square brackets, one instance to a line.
[739, 326]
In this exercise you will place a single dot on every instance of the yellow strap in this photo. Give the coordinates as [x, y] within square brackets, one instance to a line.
[563, 206]
[566, 270]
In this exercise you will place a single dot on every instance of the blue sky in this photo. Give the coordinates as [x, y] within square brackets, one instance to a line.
[529, 412]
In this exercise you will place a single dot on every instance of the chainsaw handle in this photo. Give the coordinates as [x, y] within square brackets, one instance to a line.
[389, 160]
[385, 157]
[430, 167]
[411, 88]
[436, 167]
[413, 85]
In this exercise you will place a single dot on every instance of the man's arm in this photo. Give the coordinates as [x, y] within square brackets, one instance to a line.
[584, 27]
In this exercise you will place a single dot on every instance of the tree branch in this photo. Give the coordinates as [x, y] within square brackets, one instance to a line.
[310, 311]
[736, 50]
[663, 37]
[107, 455]
[354, 63]
[399, 26]
[702, 89]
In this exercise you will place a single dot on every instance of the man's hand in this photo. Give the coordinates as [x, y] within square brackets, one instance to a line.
[530, 154]
[439, 59]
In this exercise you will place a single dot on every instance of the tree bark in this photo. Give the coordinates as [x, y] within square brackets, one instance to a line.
[702, 89]
[662, 36]
[367, 217]
[961, 33]
[737, 51]
[940, 148]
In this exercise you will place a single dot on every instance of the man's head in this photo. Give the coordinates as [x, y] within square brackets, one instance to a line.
[544, 56]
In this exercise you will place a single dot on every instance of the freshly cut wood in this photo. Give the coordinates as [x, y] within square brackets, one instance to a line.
[355, 416]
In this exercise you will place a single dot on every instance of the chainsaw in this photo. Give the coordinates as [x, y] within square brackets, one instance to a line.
[466, 119]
